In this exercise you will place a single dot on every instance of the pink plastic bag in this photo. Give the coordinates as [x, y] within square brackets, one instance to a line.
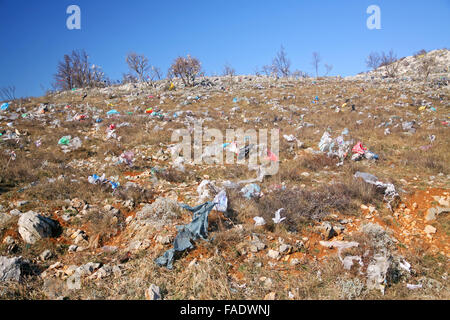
[359, 148]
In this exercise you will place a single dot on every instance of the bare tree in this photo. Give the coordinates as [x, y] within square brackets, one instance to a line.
[228, 70]
[316, 61]
[155, 73]
[75, 72]
[8, 93]
[388, 61]
[328, 69]
[373, 61]
[281, 64]
[138, 64]
[186, 68]
[427, 64]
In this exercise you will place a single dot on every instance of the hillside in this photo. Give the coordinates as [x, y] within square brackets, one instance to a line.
[358, 209]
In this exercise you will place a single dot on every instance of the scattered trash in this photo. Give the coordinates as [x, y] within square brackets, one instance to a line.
[5, 106]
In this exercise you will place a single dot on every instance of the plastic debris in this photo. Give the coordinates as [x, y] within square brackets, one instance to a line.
[221, 201]
[278, 217]
[5, 106]
[251, 190]
[259, 221]
[112, 112]
[95, 179]
[196, 229]
[127, 157]
[390, 194]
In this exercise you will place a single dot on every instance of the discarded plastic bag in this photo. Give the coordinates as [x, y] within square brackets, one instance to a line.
[251, 190]
[221, 201]
[197, 228]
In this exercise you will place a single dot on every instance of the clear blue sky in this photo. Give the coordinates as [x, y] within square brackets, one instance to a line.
[245, 33]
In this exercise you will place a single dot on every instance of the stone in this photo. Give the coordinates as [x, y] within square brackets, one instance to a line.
[429, 229]
[163, 239]
[153, 293]
[285, 248]
[46, 255]
[431, 214]
[270, 296]
[273, 254]
[10, 268]
[74, 282]
[33, 227]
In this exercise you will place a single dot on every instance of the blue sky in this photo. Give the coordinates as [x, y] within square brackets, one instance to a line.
[246, 33]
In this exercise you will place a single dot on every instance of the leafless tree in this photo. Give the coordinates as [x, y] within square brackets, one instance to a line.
[186, 68]
[228, 70]
[427, 64]
[328, 69]
[316, 61]
[155, 73]
[281, 64]
[388, 61]
[75, 72]
[373, 61]
[8, 93]
[138, 64]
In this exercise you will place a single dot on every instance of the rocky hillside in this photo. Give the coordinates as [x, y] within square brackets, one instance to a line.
[96, 202]
[412, 67]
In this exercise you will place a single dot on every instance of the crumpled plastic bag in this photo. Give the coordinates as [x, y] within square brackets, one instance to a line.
[196, 229]
[222, 201]
[68, 144]
[359, 148]
[251, 190]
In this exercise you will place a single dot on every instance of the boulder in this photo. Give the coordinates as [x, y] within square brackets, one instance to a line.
[10, 268]
[33, 227]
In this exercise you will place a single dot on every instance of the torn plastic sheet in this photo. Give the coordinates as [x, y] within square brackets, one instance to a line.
[198, 228]
[390, 194]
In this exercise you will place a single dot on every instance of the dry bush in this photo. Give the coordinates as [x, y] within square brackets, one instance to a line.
[206, 280]
[317, 162]
[427, 161]
[172, 175]
[104, 225]
[187, 69]
[136, 194]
